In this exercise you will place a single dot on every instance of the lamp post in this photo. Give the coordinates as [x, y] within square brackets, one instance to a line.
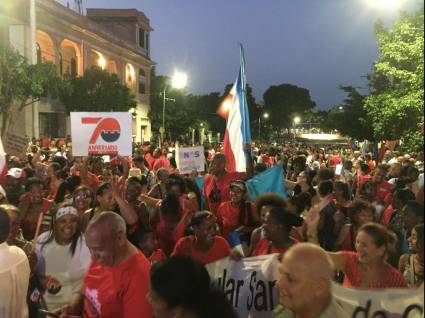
[265, 115]
[179, 81]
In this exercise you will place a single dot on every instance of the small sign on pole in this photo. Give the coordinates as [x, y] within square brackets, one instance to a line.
[101, 134]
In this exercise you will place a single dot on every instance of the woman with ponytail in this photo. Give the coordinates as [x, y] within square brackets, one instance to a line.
[181, 287]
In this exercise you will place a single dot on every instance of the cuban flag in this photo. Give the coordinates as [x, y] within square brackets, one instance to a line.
[238, 132]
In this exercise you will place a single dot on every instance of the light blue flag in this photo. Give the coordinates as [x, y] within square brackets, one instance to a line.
[200, 183]
[271, 180]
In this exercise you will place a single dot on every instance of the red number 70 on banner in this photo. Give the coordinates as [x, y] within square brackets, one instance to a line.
[109, 129]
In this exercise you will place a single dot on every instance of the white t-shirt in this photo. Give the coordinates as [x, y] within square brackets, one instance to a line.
[14, 278]
[57, 261]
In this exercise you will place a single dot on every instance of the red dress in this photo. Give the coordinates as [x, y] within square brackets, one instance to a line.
[393, 278]
[265, 247]
[219, 250]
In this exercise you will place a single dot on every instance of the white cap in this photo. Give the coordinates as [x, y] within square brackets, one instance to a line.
[66, 210]
[15, 173]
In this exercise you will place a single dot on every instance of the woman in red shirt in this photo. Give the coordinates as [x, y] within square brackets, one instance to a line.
[204, 246]
[277, 227]
[367, 268]
[237, 214]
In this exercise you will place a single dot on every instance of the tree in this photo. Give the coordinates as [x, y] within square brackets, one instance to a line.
[205, 106]
[350, 117]
[96, 91]
[285, 100]
[396, 108]
[180, 114]
[22, 84]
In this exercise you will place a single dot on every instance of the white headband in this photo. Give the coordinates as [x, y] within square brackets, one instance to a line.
[66, 210]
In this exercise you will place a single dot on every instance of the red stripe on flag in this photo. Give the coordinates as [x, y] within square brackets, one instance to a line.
[228, 152]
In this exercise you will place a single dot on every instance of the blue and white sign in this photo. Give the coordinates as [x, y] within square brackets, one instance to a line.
[189, 159]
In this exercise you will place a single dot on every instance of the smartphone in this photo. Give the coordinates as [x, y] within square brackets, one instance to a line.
[48, 313]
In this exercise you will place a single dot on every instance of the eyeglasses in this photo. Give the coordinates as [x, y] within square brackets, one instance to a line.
[82, 196]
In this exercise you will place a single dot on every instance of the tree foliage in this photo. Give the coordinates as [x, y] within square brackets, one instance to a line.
[180, 114]
[285, 100]
[350, 117]
[96, 91]
[396, 105]
[21, 83]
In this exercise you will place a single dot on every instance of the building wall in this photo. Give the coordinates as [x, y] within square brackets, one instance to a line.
[75, 43]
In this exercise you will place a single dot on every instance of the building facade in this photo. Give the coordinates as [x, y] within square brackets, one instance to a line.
[116, 40]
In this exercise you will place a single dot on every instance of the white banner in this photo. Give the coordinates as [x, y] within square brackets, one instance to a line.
[101, 134]
[190, 158]
[384, 303]
[250, 286]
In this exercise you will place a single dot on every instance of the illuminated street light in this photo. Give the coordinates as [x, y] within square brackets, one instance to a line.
[297, 120]
[179, 81]
[266, 115]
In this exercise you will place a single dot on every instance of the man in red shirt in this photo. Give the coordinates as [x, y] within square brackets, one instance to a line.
[217, 182]
[161, 159]
[117, 281]
[383, 189]
[335, 159]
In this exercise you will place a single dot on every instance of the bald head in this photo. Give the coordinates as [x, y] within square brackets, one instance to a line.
[311, 260]
[106, 238]
[109, 223]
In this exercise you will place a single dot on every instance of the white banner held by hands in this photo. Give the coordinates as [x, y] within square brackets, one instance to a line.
[250, 286]
[101, 133]
[189, 159]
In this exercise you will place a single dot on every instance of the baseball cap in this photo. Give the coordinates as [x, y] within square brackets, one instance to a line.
[15, 173]
[238, 184]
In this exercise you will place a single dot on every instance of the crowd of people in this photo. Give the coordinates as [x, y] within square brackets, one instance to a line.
[111, 236]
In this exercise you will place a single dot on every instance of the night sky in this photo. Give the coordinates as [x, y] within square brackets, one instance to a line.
[316, 44]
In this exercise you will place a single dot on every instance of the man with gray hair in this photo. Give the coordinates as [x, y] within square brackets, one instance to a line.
[305, 285]
[117, 282]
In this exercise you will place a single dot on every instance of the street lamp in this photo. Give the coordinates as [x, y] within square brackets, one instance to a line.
[387, 4]
[179, 81]
[297, 120]
[265, 116]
